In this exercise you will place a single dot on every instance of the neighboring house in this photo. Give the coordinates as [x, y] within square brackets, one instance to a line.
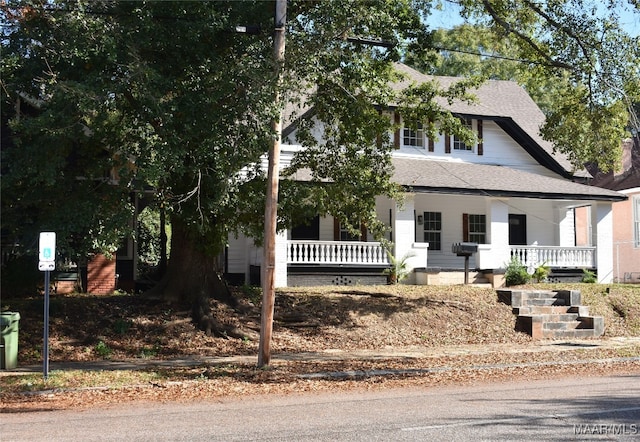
[510, 194]
[626, 214]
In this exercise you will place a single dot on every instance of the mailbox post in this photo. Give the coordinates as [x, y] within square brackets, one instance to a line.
[465, 249]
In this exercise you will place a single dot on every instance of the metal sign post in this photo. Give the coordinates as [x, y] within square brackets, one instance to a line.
[46, 263]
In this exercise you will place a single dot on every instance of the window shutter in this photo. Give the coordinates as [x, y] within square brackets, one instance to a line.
[465, 227]
[336, 229]
[480, 146]
[431, 146]
[363, 233]
[396, 134]
[447, 143]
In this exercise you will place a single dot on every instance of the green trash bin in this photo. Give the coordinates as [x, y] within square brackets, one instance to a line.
[9, 342]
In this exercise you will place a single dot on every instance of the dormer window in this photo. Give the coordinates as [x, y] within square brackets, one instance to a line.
[413, 137]
[458, 144]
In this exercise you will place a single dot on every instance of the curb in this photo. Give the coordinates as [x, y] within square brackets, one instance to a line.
[363, 374]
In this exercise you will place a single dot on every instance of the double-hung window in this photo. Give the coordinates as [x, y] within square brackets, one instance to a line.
[458, 144]
[413, 137]
[347, 235]
[433, 230]
[477, 228]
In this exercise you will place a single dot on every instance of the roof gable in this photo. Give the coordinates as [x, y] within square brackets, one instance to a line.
[504, 102]
[511, 107]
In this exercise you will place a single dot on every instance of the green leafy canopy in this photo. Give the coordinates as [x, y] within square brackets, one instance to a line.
[106, 99]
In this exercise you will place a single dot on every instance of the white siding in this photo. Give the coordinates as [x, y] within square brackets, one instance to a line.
[452, 207]
[384, 211]
[241, 253]
[543, 221]
[498, 149]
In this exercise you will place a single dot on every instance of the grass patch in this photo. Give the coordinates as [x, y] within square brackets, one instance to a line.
[65, 380]
[76, 379]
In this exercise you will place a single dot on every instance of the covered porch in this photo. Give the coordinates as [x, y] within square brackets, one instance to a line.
[508, 213]
[372, 254]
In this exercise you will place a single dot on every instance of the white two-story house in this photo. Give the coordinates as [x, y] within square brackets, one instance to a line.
[509, 193]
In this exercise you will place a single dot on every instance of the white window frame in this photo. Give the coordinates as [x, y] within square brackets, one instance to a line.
[346, 235]
[413, 137]
[436, 232]
[458, 144]
[477, 236]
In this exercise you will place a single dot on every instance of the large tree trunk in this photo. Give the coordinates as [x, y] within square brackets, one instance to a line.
[193, 278]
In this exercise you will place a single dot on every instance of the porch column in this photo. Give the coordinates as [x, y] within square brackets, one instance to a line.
[602, 219]
[404, 231]
[566, 231]
[495, 254]
[280, 273]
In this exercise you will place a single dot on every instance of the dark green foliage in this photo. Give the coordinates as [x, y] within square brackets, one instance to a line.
[516, 273]
[589, 277]
[105, 99]
[21, 277]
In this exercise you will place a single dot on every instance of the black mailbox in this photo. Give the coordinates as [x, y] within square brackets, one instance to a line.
[464, 248]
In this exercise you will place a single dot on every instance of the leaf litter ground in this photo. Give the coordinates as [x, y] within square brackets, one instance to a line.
[357, 321]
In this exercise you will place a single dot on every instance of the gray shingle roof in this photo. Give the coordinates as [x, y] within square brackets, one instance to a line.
[496, 98]
[430, 176]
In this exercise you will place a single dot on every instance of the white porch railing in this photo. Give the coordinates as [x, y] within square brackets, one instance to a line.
[336, 252]
[554, 256]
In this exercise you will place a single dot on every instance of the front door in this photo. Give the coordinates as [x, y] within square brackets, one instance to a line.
[517, 230]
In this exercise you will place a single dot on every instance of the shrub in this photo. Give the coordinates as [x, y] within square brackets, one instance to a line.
[399, 269]
[516, 273]
[541, 273]
[589, 277]
[102, 350]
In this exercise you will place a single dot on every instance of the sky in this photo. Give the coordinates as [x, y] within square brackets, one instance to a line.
[449, 17]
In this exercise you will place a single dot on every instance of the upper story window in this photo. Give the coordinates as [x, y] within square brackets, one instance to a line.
[413, 137]
[458, 144]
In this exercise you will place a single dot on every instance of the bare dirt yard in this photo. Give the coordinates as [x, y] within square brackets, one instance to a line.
[386, 321]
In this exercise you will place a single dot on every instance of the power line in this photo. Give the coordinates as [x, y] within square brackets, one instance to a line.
[500, 57]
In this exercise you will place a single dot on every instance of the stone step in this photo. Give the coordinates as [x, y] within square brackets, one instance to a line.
[570, 334]
[561, 325]
[535, 294]
[552, 314]
[543, 302]
[547, 310]
[524, 298]
[565, 317]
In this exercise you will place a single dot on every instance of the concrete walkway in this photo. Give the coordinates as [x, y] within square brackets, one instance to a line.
[630, 343]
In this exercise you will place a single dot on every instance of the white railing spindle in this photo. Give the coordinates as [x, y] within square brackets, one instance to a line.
[336, 252]
[555, 256]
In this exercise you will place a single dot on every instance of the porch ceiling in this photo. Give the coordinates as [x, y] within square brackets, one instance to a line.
[429, 176]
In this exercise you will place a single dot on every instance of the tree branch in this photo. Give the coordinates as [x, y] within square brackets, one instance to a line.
[507, 27]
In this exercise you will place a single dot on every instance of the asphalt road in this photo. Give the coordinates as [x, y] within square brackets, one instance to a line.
[593, 408]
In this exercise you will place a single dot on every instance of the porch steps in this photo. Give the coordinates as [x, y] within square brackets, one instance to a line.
[559, 276]
[547, 314]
